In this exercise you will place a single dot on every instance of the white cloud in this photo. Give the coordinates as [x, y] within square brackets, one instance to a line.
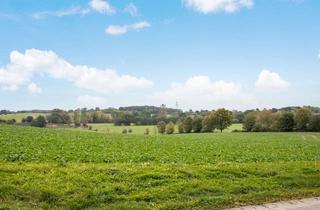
[23, 67]
[91, 101]
[62, 13]
[102, 6]
[199, 92]
[210, 6]
[132, 10]
[34, 89]
[116, 30]
[271, 81]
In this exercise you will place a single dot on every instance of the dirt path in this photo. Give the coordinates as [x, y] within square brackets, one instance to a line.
[304, 204]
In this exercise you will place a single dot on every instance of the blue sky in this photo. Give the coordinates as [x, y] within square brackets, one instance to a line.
[205, 54]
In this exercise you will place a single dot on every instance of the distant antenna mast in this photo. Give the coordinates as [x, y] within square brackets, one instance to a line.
[177, 105]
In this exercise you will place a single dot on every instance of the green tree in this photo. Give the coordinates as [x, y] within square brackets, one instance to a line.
[77, 118]
[222, 119]
[180, 126]
[187, 125]
[170, 128]
[208, 123]
[249, 121]
[161, 127]
[302, 118]
[315, 123]
[39, 121]
[286, 121]
[266, 120]
[197, 124]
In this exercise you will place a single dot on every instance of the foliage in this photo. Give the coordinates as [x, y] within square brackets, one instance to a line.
[161, 127]
[197, 124]
[315, 123]
[28, 119]
[187, 125]
[58, 116]
[208, 123]
[249, 121]
[222, 119]
[39, 121]
[286, 121]
[302, 118]
[180, 126]
[170, 128]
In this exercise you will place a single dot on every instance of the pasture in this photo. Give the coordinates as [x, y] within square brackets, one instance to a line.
[72, 169]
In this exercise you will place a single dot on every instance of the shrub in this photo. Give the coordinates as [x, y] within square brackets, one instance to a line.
[170, 128]
[130, 130]
[286, 121]
[249, 121]
[90, 127]
[124, 131]
[180, 127]
[302, 119]
[146, 131]
[161, 127]
[315, 123]
[39, 121]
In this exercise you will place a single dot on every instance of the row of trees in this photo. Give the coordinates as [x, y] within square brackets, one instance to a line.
[299, 120]
[220, 119]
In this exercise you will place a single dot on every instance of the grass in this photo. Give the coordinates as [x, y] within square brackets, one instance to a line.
[19, 116]
[68, 169]
[140, 129]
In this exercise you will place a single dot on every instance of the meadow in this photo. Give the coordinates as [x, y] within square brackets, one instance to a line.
[73, 169]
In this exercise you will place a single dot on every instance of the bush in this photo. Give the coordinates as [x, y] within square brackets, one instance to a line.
[180, 127]
[302, 119]
[161, 127]
[39, 121]
[90, 127]
[11, 122]
[130, 130]
[170, 128]
[146, 131]
[249, 121]
[28, 119]
[124, 131]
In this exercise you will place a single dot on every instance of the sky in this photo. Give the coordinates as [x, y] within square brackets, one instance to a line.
[190, 54]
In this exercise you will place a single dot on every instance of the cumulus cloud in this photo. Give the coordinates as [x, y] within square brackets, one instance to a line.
[102, 6]
[116, 30]
[62, 13]
[24, 66]
[91, 101]
[200, 92]
[131, 9]
[271, 81]
[34, 89]
[211, 6]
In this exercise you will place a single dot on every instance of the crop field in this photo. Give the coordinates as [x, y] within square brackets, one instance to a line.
[72, 169]
[140, 129]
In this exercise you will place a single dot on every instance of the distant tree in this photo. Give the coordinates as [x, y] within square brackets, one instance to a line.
[249, 121]
[39, 121]
[302, 119]
[222, 119]
[315, 123]
[180, 127]
[237, 116]
[11, 121]
[77, 118]
[187, 125]
[286, 121]
[58, 116]
[161, 127]
[266, 120]
[28, 119]
[197, 124]
[170, 128]
[208, 123]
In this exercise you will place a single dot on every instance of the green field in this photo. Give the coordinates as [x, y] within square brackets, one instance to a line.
[19, 116]
[72, 169]
[140, 129]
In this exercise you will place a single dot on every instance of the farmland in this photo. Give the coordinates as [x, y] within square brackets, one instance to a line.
[19, 116]
[72, 169]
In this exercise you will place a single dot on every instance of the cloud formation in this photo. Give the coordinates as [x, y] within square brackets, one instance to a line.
[102, 6]
[117, 30]
[34, 89]
[200, 92]
[24, 66]
[131, 9]
[61, 13]
[211, 6]
[271, 81]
